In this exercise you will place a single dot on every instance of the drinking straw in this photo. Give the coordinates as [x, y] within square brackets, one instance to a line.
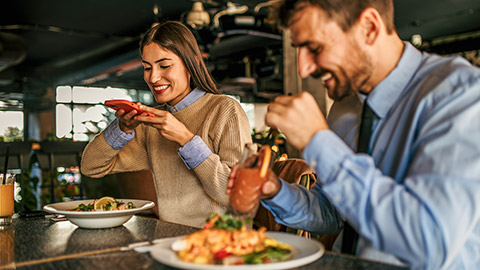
[6, 166]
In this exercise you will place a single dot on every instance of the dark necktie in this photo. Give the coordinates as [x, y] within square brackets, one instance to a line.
[350, 236]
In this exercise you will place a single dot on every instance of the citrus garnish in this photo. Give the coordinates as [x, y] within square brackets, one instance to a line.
[105, 203]
[264, 159]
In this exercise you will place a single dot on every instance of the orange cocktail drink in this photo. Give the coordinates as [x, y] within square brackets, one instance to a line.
[6, 200]
[245, 194]
[252, 173]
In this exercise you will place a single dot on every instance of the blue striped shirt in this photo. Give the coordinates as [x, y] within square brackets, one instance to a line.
[417, 197]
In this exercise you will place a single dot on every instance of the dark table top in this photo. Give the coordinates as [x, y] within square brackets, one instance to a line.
[39, 243]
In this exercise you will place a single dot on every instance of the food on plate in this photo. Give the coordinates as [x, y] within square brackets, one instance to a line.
[104, 204]
[226, 240]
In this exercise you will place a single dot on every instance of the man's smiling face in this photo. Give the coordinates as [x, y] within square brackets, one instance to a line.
[325, 51]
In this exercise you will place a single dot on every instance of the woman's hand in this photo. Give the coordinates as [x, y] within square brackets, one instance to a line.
[168, 126]
[127, 120]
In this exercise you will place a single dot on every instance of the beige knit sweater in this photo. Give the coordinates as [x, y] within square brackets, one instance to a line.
[183, 196]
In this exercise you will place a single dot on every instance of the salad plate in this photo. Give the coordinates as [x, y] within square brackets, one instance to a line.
[97, 219]
[305, 251]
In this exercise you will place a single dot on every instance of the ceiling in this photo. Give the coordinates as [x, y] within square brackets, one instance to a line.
[44, 43]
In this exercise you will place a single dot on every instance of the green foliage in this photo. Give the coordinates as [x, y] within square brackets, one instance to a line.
[50, 137]
[28, 200]
[13, 134]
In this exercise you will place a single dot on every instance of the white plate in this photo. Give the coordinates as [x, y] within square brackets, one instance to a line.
[305, 251]
[97, 219]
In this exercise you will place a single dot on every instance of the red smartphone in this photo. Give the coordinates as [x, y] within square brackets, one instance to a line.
[126, 105]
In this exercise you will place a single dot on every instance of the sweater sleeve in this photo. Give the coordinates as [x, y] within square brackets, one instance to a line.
[100, 159]
[230, 132]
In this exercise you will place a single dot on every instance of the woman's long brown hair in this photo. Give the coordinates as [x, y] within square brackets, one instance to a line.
[177, 38]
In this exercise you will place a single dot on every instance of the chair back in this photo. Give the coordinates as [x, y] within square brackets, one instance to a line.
[293, 171]
[138, 185]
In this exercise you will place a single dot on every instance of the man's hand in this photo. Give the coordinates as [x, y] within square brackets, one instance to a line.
[297, 116]
[269, 189]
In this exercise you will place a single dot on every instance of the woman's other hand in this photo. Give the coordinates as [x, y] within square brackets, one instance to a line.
[127, 120]
[167, 125]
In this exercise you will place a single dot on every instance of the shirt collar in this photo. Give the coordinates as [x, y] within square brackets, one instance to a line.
[186, 101]
[387, 92]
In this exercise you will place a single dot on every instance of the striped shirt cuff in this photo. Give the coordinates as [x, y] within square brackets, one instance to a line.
[115, 137]
[194, 152]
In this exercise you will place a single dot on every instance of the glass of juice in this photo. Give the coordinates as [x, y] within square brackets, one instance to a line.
[253, 171]
[6, 199]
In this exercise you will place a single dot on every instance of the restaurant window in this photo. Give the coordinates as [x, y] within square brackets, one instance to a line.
[80, 113]
[255, 113]
[11, 126]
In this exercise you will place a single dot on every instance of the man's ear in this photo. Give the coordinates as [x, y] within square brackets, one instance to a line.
[371, 25]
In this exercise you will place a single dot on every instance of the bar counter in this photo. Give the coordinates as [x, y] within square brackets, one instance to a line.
[39, 243]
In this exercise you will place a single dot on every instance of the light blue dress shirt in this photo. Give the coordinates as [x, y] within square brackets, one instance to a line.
[418, 196]
[192, 153]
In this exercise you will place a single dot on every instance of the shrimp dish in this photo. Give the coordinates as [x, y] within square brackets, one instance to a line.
[226, 240]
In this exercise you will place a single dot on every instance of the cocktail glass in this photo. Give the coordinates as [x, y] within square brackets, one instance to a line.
[253, 171]
[6, 199]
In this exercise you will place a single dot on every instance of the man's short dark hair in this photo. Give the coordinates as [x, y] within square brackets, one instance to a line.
[344, 12]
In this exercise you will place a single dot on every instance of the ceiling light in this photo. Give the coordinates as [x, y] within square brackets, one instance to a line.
[417, 40]
[231, 9]
[198, 17]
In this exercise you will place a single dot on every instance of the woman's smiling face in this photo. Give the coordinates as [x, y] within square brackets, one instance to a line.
[165, 73]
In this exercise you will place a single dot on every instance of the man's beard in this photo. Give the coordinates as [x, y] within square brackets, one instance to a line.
[360, 75]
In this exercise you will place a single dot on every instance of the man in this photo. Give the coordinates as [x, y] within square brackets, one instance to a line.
[415, 195]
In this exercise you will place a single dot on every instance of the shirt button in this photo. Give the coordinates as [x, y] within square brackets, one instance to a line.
[313, 163]
[336, 198]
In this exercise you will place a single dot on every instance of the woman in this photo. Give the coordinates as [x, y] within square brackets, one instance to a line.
[191, 142]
